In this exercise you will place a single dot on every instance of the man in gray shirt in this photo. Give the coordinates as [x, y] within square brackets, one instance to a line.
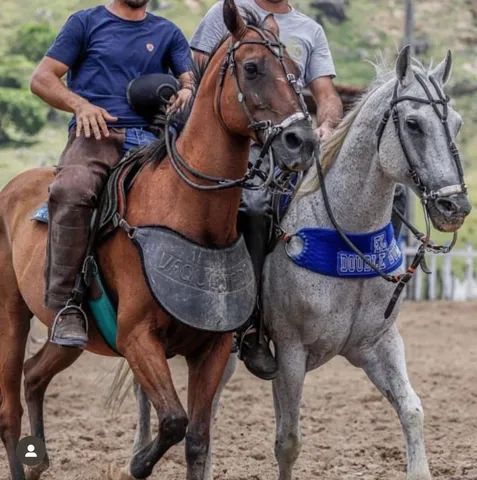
[306, 43]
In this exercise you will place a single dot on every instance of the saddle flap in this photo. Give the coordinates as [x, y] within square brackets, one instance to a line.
[208, 289]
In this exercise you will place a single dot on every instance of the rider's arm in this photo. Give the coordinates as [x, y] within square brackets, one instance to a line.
[319, 76]
[181, 65]
[330, 107]
[47, 81]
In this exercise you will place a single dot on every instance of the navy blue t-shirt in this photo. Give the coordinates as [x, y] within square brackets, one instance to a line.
[105, 52]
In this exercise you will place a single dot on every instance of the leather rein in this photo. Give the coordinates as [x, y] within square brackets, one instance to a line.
[426, 244]
[265, 131]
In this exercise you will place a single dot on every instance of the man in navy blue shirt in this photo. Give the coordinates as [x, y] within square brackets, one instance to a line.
[101, 50]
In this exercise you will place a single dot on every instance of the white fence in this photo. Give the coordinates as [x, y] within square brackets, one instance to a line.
[452, 276]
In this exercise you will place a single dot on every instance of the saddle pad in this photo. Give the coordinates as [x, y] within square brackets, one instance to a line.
[209, 289]
[325, 252]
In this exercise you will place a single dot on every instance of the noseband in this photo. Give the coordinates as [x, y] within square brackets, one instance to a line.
[266, 131]
[442, 100]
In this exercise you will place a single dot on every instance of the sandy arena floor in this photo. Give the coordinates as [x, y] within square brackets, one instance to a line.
[349, 431]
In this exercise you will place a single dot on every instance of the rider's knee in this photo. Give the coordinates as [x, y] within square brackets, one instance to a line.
[74, 185]
[256, 203]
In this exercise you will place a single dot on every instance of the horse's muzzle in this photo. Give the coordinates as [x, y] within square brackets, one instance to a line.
[295, 146]
[448, 213]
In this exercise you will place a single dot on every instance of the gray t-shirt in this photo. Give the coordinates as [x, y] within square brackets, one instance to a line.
[304, 38]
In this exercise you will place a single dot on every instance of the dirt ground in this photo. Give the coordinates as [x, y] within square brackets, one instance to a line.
[349, 431]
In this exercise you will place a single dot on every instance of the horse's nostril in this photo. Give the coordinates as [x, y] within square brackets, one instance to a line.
[293, 141]
[447, 206]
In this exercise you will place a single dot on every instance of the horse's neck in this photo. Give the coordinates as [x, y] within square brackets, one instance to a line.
[208, 218]
[360, 194]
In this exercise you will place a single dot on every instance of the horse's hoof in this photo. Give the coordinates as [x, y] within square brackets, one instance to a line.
[425, 475]
[32, 473]
[116, 473]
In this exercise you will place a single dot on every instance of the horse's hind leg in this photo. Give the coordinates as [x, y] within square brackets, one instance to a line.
[287, 393]
[228, 373]
[14, 327]
[205, 375]
[385, 365]
[39, 371]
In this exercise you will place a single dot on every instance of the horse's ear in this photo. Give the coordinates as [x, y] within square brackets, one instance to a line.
[233, 20]
[271, 24]
[404, 71]
[443, 71]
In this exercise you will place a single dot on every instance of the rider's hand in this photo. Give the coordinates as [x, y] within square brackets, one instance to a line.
[179, 101]
[91, 119]
[324, 132]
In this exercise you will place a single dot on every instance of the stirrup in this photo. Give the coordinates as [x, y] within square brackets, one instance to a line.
[70, 306]
[242, 336]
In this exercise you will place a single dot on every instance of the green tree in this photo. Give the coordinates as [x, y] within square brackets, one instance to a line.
[33, 40]
[15, 71]
[20, 113]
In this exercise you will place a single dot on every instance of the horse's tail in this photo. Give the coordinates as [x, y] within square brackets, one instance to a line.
[120, 386]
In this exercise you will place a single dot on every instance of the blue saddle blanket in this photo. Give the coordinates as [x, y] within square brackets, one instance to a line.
[325, 252]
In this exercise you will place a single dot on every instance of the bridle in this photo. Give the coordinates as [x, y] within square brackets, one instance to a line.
[265, 131]
[426, 244]
[442, 100]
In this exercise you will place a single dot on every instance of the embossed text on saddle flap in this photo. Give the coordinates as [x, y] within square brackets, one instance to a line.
[208, 289]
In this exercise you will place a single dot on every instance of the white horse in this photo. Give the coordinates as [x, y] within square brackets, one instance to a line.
[312, 318]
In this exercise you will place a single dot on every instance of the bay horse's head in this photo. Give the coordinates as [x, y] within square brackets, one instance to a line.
[259, 96]
[420, 150]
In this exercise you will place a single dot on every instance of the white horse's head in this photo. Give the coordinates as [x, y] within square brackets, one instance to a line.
[417, 141]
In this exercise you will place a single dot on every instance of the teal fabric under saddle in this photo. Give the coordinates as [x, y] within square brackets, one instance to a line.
[100, 307]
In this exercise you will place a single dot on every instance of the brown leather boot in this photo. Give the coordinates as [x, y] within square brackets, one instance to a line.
[70, 328]
[256, 354]
[67, 242]
[254, 346]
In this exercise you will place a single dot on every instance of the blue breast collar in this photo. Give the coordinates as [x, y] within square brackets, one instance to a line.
[325, 252]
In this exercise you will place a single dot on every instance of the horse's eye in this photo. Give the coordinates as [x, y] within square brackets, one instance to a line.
[413, 125]
[251, 70]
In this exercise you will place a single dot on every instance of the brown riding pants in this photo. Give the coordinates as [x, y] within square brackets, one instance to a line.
[80, 178]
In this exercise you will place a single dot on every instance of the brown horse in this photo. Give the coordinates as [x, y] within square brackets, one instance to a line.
[216, 141]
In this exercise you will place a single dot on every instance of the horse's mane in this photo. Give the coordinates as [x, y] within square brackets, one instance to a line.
[332, 147]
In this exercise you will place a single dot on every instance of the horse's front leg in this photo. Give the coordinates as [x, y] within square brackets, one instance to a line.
[143, 349]
[287, 393]
[143, 428]
[385, 365]
[206, 372]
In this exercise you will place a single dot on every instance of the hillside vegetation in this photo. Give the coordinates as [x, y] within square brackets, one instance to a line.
[373, 28]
